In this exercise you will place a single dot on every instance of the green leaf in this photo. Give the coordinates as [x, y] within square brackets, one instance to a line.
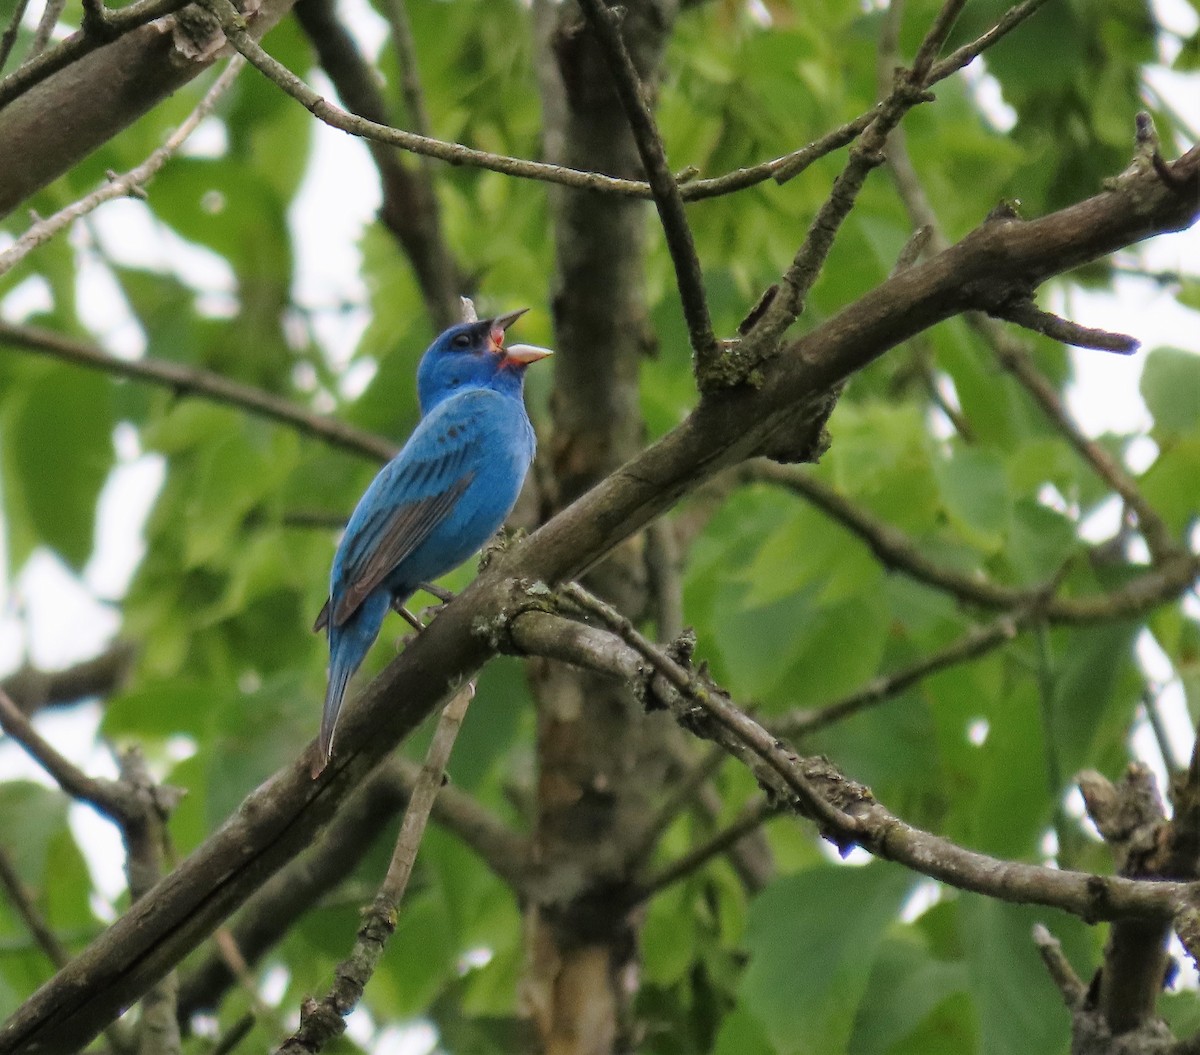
[60, 436]
[907, 985]
[810, 958]
[1171, 388]
[1019, 1009]
[976, 495]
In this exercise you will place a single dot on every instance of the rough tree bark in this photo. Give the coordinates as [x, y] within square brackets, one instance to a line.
[600, 758]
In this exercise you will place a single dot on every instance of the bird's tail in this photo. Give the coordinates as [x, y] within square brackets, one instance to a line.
[348, 646]
[339, 678]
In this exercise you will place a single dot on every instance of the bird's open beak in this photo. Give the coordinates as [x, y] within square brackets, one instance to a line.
[501, 323]
[526, 353]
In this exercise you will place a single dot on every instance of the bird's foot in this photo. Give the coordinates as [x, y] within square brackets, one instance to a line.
[412, 620]
[440, 592]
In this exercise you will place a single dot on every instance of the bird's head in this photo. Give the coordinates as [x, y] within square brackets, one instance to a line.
[472, 355]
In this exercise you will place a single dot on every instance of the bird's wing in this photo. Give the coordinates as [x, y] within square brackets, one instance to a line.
[388, 544]
[412, 496]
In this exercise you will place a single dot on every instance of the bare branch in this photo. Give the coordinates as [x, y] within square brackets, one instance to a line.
[23, 902]
[1051, 951]
[667, 199]
[849, 814]
[192, 381]
[751, 818]
[1027, 314]
[321, 1023]
[131, 183]
[266, 917]
[36, 69]
[10, 34]
[106, 796]
[956, 60]
[45, 26]
[1013, 356]
[976, 642]
[33, 689]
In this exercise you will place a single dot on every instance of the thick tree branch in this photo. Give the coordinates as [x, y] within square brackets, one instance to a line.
[129, 183]
[192, 381]
[276, 821]
[57, 109]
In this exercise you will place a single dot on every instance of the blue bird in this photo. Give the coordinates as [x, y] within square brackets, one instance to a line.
[438, 501]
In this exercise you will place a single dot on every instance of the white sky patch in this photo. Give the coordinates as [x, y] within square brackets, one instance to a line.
[416, 1038]
[338, 197]
[209, 139]
[977, 731]
[27, 298]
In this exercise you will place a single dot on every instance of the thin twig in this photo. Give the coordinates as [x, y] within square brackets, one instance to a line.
[680, 244]
[1051, 951]
[683, 791]
[322, 1022]
[874, 828]
[780, 169]
[977, 641]
[410, 78]
[687, 684]
[696, 858]
[1012, 355]
[45, 26]
[204, 384]
[147, 857]
[131, 183]
[956, 60]
[105, 795]
[1027, 314]
[233, 1036]
[22, 900]
[10, 34]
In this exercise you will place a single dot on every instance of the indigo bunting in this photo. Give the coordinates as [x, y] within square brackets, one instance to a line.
[438, 501]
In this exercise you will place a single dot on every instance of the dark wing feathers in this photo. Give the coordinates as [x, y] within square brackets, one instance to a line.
[391, 541]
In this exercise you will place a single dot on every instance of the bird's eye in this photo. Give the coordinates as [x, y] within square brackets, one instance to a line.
[461, 341]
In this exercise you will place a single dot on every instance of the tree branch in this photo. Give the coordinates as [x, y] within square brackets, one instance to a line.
[896, 551]
[323, 1022]
[32, 689]
[1014, 357]
[410, 207]
[848, 813]
[976, 642]
[696, 858]
[10, 33]
[667, 199]
[130, 183]
[276, 821]
[192, 381]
